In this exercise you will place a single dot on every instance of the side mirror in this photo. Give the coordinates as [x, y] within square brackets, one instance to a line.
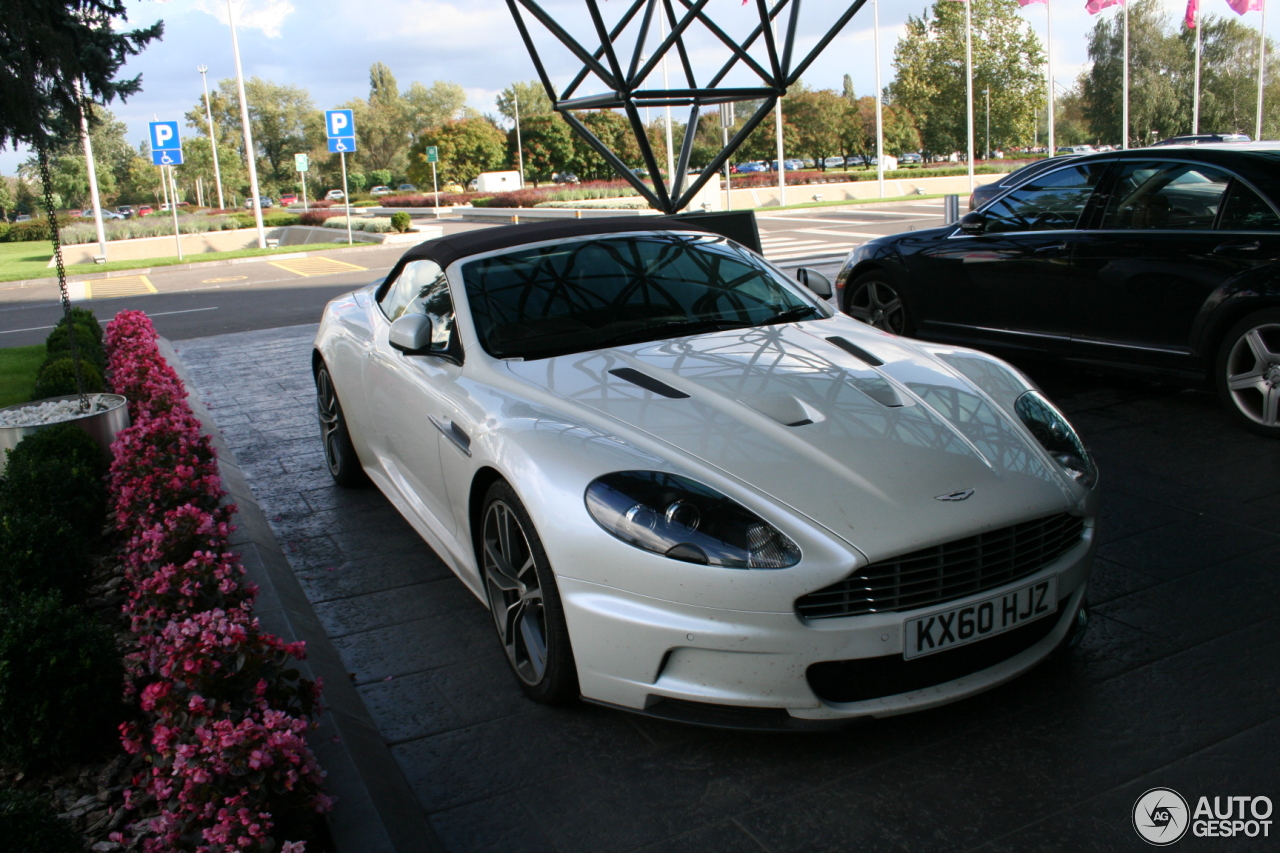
[973, 223]
[815, 281]
[411, 333]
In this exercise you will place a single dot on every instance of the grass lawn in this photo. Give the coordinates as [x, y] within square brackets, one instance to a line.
[29, 260]
[18, 366]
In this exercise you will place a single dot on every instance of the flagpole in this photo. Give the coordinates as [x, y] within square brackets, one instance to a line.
[968, 79]
[1262, 65]
[1125, 107]
[1195, 106]
[875, 17]
[1048, 16]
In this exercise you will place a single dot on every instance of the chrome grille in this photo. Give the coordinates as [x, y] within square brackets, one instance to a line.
[948, 571]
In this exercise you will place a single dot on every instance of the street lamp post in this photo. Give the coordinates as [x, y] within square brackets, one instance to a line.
[987, 92]
[515, 98]
[248, 135]
[213, 140]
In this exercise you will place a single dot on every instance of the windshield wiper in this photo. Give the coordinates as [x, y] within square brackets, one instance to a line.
[791, 315]
[662, 330]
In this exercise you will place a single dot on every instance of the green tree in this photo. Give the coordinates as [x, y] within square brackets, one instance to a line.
[550, 146]
[47, 48]
[467, 147]
[197, 165]
[429, 107]
[6, 197]
[817, 116]
[1229, 78]
[848, 94]
[1007, 59]
[533, 101]
[24, 200]
[614, 131]
[382, 122]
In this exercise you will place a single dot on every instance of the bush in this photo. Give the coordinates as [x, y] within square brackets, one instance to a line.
[278, 219]
[33, 230]
[60, 676]
[429, 200]
[58, 345]
[52, 508]
[313, 217]
[83, 317]
[400, 221]
[58, 377]
[28, 823]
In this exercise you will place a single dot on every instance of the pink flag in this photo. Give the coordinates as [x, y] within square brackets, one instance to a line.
[1193, 10]
[1029, 2]
[1242, 6]
[1093, 7]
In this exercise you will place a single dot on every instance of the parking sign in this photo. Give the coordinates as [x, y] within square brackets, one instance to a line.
[164, 136]
[340, 126]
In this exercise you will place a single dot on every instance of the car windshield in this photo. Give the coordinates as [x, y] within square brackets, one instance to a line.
[609, 291]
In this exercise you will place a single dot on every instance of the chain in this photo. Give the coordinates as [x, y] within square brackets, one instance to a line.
[43, 153]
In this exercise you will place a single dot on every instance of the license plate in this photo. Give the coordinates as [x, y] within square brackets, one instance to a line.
[960, 626]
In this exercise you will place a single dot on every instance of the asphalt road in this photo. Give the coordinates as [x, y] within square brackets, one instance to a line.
[190, 303]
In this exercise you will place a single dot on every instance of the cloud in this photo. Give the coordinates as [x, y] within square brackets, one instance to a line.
[265, 15]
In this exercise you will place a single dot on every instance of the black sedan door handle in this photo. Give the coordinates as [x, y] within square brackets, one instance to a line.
[1051, 249]
[1238, 246]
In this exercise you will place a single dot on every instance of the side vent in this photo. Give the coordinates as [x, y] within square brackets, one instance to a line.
[855, 350]
[648, 383]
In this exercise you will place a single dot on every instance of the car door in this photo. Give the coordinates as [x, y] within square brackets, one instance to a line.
[409, 394]
[1011, 282]
[1172, 233]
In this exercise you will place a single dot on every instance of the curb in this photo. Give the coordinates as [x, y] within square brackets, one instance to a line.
[78, 277]
[376, 810]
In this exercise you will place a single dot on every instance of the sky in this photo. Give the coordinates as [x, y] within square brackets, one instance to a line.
[327, 46]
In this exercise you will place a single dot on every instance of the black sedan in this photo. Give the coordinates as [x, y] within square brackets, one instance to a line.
[985, 192]
[1162, 260]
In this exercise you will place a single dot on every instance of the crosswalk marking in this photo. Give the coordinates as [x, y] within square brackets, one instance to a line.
[308, 267]
[787, 248]
[110, 288]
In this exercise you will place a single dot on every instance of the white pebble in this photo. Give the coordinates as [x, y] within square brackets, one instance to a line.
[53, 412]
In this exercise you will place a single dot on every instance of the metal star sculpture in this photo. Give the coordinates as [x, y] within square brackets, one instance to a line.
[623, 77]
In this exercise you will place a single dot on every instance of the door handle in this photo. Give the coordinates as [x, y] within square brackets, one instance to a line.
[454, 433]
[1053, 248]
[1238, 246]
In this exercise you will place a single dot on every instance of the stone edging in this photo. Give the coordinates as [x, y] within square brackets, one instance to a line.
[376, 810]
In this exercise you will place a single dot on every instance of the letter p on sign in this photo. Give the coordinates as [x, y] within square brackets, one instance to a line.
[164, 136]
[339, 123]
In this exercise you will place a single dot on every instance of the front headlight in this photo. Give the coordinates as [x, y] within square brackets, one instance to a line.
[1056, 436]
[684, 520]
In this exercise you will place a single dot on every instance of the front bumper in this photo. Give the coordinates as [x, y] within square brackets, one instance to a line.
[638, 652]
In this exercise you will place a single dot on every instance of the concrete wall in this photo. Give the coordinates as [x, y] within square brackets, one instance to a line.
[853, 190]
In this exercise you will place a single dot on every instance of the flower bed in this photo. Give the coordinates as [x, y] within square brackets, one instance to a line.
[224, 711]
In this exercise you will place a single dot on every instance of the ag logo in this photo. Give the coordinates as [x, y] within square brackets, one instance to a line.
[1160, 816]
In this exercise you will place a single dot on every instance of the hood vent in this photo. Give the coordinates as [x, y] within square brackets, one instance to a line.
[648, 383]
[854, 350]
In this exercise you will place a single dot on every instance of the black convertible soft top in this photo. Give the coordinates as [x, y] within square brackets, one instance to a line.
[738, 225]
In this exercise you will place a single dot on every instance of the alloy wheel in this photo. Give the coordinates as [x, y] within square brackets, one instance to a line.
[876, 303]
[515, 595]
[330, 421]
[1253, 374]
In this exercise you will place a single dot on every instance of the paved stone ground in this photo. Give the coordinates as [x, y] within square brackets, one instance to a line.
[1177, 683]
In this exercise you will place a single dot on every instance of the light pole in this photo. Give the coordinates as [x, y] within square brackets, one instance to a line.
[93, 173]
[248, 135]
[515, 98]
[213, 140]
[987, 92]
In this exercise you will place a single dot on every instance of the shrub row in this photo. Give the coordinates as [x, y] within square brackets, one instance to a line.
[57, 375]
[429, 200]
[374, 225]
[31, 230]
[225, 711]
[160, 225]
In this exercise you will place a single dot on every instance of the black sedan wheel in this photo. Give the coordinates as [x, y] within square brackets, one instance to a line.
[874, 300]
[1248, 372]
[525, 601]
[339, 452]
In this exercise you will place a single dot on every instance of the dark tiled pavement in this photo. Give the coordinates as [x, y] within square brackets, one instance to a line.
[1177, 683]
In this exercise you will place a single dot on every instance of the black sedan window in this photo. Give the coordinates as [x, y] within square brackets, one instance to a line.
[591, 294]
[1049, 202]
[1165, 197]
[1247, 211]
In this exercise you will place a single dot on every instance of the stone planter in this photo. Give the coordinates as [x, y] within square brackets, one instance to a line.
[102, 426]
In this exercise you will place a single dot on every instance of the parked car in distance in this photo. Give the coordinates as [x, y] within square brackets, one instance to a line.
[910, 157]
[22, 217]
[125, 210]
[288, 198]
[265, 201]
[381, 190]
[564, 178]
[833, 163]
[1201, 138]
[752, 166]
[983, 193]
[1159, 260]
[406, 188]
[335, 195]
[145, 210]
[88, 214]
[684, 487]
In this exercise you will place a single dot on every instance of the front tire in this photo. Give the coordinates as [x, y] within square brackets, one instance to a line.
[339, 453]
[1247, 372]
[875, 300]
[525, 600]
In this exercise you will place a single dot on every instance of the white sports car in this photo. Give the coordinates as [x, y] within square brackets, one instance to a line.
[685, 486]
